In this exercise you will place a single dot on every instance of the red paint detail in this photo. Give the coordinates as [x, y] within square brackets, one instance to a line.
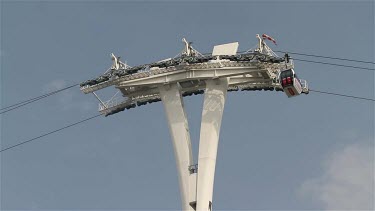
[291, 91]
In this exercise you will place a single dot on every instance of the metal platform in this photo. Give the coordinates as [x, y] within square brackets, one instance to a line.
[246, 72]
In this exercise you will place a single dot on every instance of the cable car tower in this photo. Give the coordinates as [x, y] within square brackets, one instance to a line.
[188, 73]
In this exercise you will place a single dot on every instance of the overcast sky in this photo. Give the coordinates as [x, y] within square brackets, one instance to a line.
[313, 152]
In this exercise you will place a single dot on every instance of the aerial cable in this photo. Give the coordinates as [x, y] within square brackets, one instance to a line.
[25, 102]
[327, 57]
[342, 95]
[39, 97]
[49, 133]
[87, 119]
[333, 64]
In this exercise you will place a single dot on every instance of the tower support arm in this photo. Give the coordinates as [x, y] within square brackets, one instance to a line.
[212, 113]
[179, 130]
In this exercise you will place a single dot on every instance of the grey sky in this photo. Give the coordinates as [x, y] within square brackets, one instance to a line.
[275, 153]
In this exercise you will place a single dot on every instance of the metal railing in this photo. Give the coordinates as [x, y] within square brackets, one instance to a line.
[112, 103]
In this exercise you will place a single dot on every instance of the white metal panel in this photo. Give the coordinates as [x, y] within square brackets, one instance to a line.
[225, 49]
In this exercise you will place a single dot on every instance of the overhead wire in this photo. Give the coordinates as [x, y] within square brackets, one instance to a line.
[87, 119]
[341, 95]
[334, 64]
[327, 57]
[31, 100]
[49, 133]
[56, 91]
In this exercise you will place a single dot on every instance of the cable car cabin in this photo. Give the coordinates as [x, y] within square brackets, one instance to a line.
[290, 83]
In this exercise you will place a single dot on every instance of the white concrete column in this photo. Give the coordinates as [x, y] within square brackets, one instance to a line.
[179, 130]
[213, 106]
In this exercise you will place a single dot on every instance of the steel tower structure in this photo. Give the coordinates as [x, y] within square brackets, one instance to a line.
[191, 72]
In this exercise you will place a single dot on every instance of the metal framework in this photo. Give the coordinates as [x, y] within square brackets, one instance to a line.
[192, 73]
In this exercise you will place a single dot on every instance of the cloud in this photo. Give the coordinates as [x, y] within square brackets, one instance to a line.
[347, 182]
[55, 84]
[68, 99]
